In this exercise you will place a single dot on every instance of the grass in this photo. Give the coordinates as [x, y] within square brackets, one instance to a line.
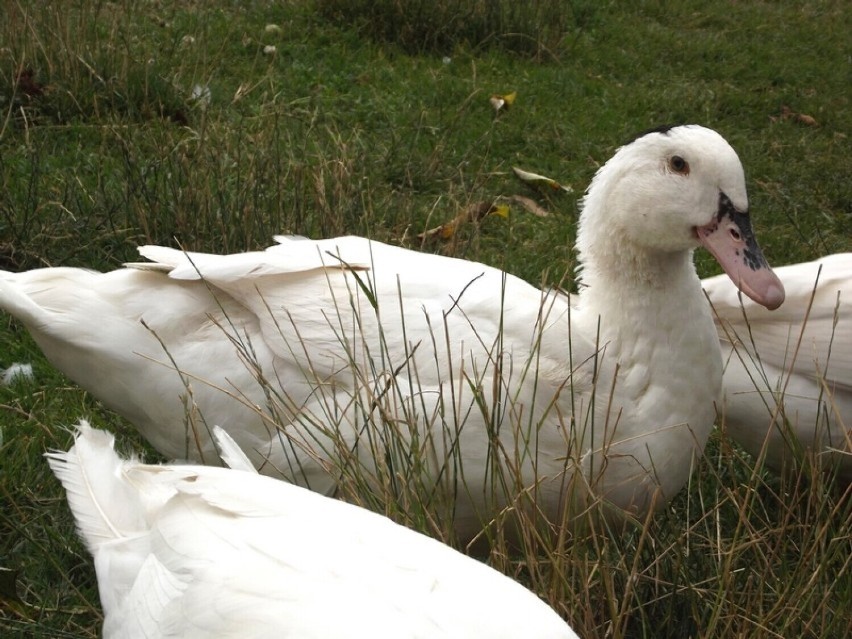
[103, 147]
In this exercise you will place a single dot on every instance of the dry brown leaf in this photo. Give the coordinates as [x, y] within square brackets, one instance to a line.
[9, 586]
[530, 205]
[806, 119]
[472, 213]
[478, 211]
[10, 601]
[788, 114]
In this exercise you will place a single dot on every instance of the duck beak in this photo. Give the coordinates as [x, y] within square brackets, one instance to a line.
[731, 241]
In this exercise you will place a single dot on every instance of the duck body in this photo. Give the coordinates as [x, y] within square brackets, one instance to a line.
[788, 375]
[386, 355]
[198, 551]
[474, 341]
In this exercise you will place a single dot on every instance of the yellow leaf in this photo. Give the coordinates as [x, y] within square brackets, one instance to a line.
[500, 209]
[472, 213]
[503, 102]
[534, 179]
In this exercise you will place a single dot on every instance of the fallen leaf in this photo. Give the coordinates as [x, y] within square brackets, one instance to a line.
[788, 114]
[500, 210]
[503, 102]
[530, 205]
[12, 603]
[10, 600]
[534, 179]
[27, 84]
[9, 586]
[806, 119]
[472, 213]
[479, 210]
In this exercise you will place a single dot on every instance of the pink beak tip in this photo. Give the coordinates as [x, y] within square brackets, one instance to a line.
[774, 296]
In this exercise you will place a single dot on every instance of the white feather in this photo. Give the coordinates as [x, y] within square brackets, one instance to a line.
[230, 451]
[88, 473]
[15, 372]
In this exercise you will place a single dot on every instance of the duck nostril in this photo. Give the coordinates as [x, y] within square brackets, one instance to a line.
[736, 235]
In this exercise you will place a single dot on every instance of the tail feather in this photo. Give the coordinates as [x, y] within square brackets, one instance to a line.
[230, 451]
[105, 506]
[16, 303]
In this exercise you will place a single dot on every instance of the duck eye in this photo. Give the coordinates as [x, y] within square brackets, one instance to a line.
[679, 165]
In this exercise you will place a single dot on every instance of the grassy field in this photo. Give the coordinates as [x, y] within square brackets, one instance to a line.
[218, 124]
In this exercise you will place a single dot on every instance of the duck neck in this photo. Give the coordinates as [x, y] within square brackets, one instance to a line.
[629, 278]
[650, 313]
[618, 270]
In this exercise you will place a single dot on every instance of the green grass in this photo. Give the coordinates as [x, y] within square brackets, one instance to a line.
[341, 130]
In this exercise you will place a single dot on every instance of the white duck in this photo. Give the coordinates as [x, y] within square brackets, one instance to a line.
[198, 551]
[788, 375]
[390, 355]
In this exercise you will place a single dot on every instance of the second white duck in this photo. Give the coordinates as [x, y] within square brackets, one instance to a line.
[197, 552]
[788, 375]
[385, 355]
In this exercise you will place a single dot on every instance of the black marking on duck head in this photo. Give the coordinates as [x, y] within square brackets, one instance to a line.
[663, 129]
[752, 255]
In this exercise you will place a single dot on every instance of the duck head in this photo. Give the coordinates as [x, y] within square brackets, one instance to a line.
[671, 190]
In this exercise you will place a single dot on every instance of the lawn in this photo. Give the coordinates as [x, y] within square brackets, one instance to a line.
[215, 125]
